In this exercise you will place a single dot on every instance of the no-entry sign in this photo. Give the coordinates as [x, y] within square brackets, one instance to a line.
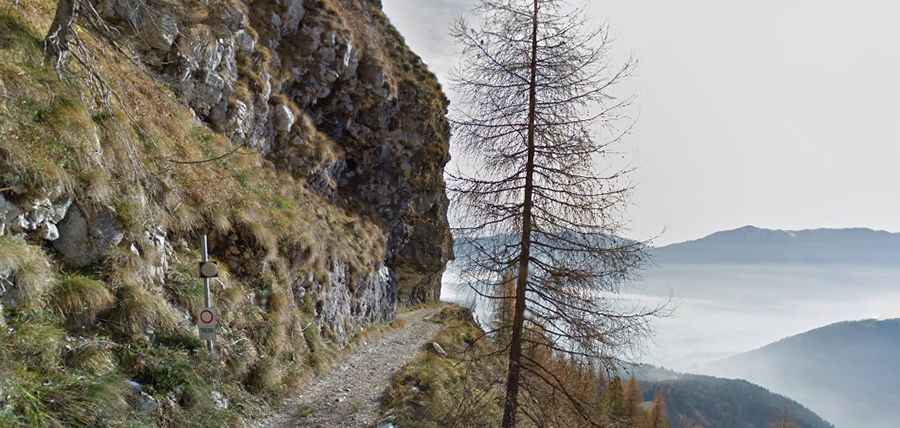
[207, 321]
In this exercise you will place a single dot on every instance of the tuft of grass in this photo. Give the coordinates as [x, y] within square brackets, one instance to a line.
[129, 214]
[39, 391]
[319, 355]
[96, 402]
[31, 274]
[185, 287]
[138, 311]
[80, 299]
[266, 378]
[432, 391]
[93, 358]
[40, 341]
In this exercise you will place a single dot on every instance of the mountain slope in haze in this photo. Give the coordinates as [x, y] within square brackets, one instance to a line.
[751, 244]
[848, 372]
[704, 401]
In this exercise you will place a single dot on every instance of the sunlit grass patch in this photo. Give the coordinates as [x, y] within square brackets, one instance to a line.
[139, 311]
[30, 269]
[79, 299]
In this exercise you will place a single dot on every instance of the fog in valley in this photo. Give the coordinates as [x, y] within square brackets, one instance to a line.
[722, 310]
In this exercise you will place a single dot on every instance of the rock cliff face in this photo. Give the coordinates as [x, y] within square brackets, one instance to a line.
[328, 91]
[325, 90]
[302, 136]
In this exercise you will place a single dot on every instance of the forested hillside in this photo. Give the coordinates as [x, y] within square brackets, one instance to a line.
[703, 401]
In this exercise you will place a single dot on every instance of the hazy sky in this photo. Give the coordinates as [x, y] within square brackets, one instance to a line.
[772, 113]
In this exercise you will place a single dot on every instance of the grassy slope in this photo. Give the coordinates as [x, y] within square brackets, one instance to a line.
[65, 368]
[434, 391]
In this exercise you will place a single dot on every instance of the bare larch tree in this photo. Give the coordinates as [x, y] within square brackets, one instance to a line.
[534, 129]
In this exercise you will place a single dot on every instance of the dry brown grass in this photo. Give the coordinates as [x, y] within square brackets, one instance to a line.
[80, 299]
[139, 138]
[94, 358]
[31, 271]
[121, 155]
[433, 391]
[138, 311]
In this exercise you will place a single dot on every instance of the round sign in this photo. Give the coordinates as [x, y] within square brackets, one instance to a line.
[207, 317]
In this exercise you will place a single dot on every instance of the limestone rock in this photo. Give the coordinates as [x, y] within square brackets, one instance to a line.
[438, 349]
[86, 235]
[142, 402]
[387, 423]
[130, 11]
[347, 303]
[228, 16]
[40, 216]
[294, 12]
[49, 232]
[373, 99]
[155, 249]
[219, 400]
[160, 33]
[284, 119]
[9, 215]
[245, 42]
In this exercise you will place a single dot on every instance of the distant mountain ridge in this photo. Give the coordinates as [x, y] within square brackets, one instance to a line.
[848, 372]
[750, 244]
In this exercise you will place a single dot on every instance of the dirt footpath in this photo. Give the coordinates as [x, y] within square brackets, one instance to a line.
[349, 395]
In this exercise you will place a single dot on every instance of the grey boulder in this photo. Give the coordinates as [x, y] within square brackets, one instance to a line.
[86, 235]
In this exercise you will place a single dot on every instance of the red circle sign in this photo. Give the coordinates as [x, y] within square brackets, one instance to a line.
[206, 316]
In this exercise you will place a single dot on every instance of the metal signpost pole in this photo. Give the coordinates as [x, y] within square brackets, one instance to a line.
[208, 295]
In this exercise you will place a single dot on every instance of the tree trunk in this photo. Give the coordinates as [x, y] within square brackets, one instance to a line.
[61, 34]
[515, 353]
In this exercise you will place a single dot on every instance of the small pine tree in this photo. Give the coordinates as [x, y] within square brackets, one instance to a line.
[784, 421]
[504, 310]
[634, 414]
[657, 417]
[612, 403]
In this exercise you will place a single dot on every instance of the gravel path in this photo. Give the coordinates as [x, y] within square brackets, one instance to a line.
[350, 394]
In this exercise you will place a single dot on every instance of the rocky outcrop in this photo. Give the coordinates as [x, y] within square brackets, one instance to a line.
[346, 301]
[87, 234]
[41, 216]
[329, 92]
[301, 137]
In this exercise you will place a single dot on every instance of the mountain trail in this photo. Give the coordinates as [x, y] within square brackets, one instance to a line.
[349, 394]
